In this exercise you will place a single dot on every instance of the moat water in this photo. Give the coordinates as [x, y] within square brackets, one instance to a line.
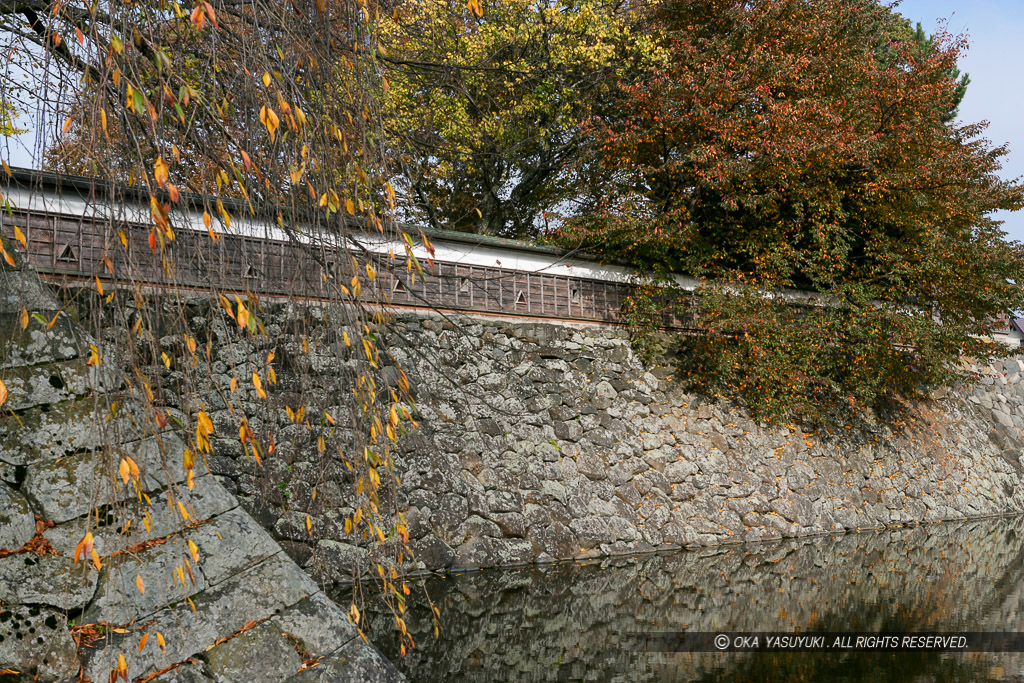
[580, 621]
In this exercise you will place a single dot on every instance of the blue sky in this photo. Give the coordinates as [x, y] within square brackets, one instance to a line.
[995, 29]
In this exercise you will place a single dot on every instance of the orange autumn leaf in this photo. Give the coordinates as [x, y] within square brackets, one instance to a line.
[258, 384]
[160, 171]
[84, 548]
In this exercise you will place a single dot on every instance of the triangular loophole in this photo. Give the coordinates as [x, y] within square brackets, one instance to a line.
[520, 297]
[251, 271]
[67, 254]
[464, 285]
[330, 270]
[399, 288]
[574, 294]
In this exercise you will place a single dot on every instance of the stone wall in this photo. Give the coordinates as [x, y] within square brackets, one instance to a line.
[541, 442]
[183, 586]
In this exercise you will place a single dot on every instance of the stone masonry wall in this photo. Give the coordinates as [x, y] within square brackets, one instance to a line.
[243, 610]
[542, 442]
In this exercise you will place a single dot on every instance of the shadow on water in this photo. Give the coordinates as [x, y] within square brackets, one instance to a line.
[578, 621]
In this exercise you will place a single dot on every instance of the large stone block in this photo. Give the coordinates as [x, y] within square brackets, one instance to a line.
[220, 612]
[36, 641]
[70, 487]
[17, 523]
[35, 344]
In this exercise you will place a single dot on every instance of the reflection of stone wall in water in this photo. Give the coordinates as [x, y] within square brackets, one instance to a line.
[546, 441]
[573, 622]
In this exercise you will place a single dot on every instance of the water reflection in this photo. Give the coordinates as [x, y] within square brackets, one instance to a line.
[573, 621]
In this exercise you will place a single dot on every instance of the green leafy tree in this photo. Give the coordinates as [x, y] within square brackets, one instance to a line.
[801, 144]
[487, 106]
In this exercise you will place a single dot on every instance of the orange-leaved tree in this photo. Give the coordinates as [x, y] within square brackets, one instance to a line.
[810, 145]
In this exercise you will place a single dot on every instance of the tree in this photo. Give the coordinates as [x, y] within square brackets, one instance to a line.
[154, 99]
[926, 45]
[8, 115]
[803, 144]
[487, 106]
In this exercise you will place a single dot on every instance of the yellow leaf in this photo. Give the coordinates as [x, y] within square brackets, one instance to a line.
[99, 286]
[269, 119]
[193, 549]
[96, 560]
[258, 384]
[184, 513]
[20, 236]
[3, 392]
[125, 471]
[234, 384]
[24, 318]
[266, 79]
[132, 467]
[160, 641]
[350, 207]
[142, 641]
[226, 305]
[142, 589]
[243, 313]
[309, 525]
[122, 666]
[7, 257]
[160, 171]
